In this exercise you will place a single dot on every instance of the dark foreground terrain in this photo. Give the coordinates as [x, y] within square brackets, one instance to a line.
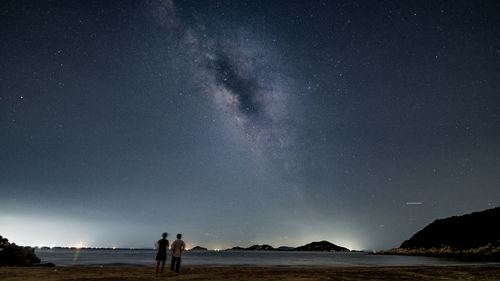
[480, 272]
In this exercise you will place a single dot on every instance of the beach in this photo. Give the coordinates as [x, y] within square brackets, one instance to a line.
[76, 273]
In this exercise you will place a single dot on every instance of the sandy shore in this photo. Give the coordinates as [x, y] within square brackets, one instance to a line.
[483, 272]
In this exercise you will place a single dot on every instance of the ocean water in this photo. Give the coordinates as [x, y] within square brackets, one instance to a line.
[86, 257]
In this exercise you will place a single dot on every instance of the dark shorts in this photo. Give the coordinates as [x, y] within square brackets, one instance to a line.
[161, 256]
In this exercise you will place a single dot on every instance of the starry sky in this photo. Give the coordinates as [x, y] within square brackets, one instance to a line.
[240, 123]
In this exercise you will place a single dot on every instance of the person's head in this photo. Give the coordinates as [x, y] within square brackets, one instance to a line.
[179, 236]
[164, 235]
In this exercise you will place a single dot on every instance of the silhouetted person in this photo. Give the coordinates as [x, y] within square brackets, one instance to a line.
[161, 256]
[177, 247]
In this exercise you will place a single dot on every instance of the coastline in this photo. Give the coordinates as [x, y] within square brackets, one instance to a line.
[483, 254]
[468, 272]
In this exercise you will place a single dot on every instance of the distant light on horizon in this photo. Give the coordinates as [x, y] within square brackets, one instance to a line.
[79, 245]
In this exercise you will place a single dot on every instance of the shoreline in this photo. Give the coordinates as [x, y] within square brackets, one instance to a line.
[243, 265]
[457, 256]
[459, 272]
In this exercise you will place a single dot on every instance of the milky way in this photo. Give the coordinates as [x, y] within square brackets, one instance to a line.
[244, 90]
[240, 75]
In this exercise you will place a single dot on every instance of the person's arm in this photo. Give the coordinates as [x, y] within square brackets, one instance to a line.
[183, 246]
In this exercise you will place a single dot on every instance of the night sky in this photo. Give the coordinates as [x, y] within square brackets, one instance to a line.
[237, 123]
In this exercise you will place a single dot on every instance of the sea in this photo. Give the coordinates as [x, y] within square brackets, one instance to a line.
[145, 257]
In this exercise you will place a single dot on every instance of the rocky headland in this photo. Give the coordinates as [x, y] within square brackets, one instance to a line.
[14, 255]
[475, 235]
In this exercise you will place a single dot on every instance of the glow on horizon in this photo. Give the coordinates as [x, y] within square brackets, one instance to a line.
[79, 245]
[57, 231]
[51, 230]
[41, 231]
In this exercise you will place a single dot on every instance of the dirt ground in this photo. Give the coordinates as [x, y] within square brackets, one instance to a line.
[480, 272]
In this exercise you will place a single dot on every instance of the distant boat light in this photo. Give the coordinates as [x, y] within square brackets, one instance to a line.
[414, 203]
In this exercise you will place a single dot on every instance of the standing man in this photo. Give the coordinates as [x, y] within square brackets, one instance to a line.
[177, 247]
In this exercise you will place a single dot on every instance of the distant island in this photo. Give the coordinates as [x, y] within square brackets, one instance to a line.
[284, 248]
[322, 246]
[475, 235]
[198, 248]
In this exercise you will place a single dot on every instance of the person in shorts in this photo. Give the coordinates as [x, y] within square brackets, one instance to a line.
[161, 256]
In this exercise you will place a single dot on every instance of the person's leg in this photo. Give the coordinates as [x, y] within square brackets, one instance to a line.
[162, 265]
[157, 265]
[178, 265]
[172, 264]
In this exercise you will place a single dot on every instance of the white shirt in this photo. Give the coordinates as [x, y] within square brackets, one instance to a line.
[177, 247]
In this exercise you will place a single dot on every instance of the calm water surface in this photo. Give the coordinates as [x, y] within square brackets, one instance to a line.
[85, 257]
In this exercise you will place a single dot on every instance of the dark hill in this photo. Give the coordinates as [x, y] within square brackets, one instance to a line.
[237, 248]
[198, 248]
[260, 248]
[323, 246]
[253, 248]
[459, 232]
[284, 248]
